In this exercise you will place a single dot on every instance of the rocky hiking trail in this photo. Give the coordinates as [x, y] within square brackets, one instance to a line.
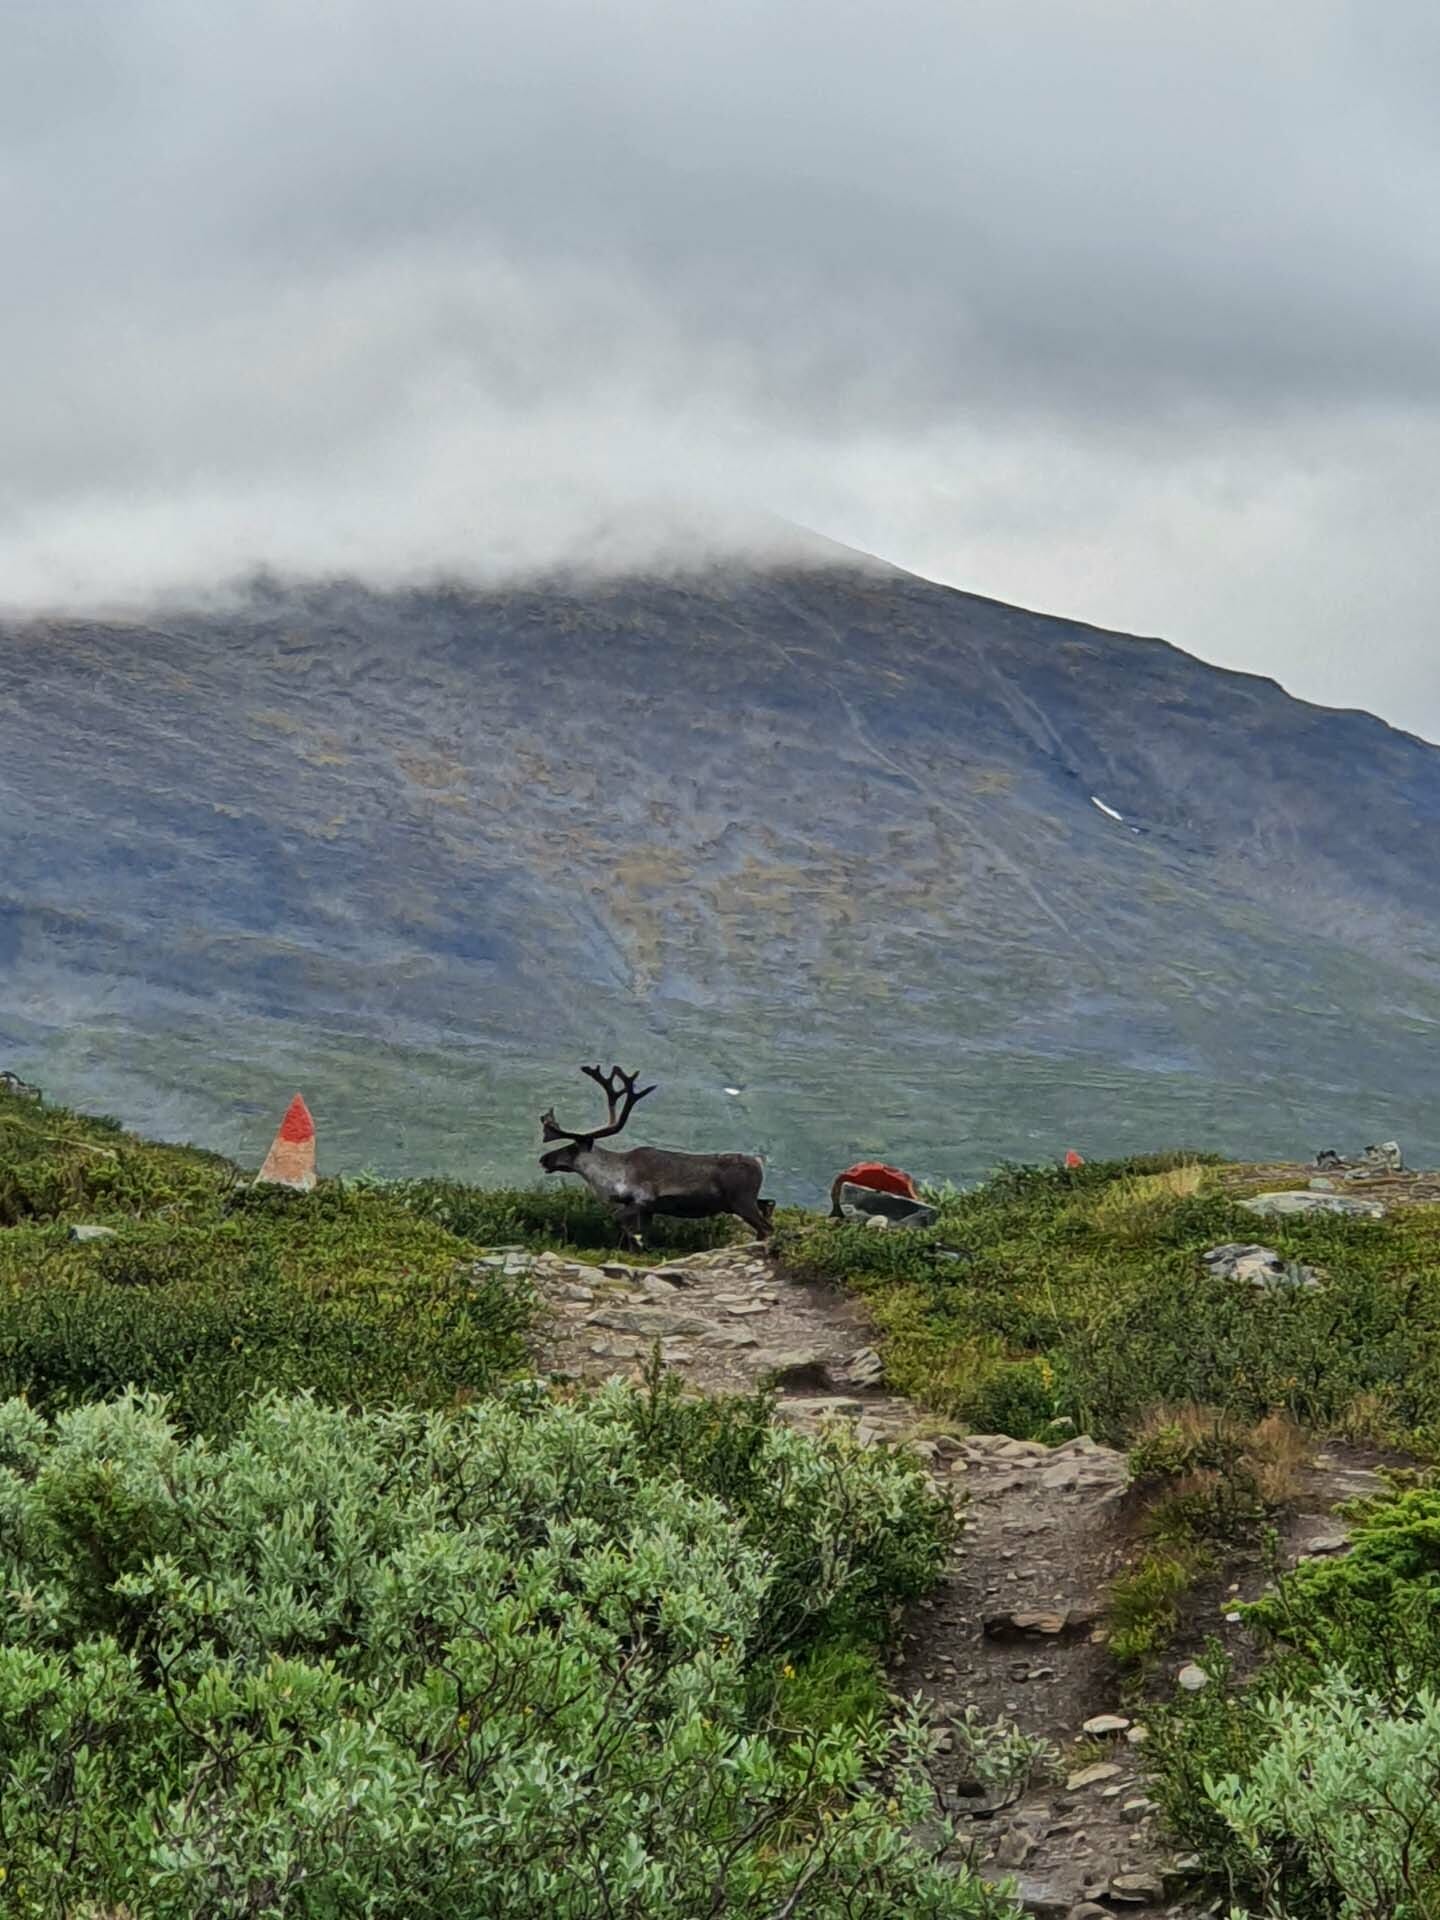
[1016, 1629]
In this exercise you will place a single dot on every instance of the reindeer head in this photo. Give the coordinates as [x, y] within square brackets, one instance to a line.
[621, 1099]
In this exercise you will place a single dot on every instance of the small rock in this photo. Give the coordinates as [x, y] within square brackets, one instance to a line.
[1137, 1735]
[1258, 1266]
[1103, 1723]
[829, 1406]
[1092, 1776]
[1137, 1889]
[1192, 1678]
[1016, 1849]
[1088, 1910]
[656, 1289]
[573, 1291]
[743, 1308]
[1042, 1898]
[1326, 1543]
[877, 1221]
[865, 1368]
[651, 1323]
[85, 1234]
[1134, 1811]
[1004, 1448]
[1039, 1624]
[1386, 1157]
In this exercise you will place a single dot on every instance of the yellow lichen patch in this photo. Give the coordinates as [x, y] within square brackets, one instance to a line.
[436, 772]
[989, 779]
[327, 750]
[274, 720]
[640, 874]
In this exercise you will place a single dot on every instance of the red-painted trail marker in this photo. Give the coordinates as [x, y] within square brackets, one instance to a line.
[291, 1159]
[1073, 1159]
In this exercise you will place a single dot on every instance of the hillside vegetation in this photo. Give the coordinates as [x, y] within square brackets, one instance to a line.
[314, 1615]
[1080, 1293]
[321, 1607]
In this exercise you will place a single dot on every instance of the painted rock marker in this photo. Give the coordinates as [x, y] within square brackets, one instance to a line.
[291, 1159]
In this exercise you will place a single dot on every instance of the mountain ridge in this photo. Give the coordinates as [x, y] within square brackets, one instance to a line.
[828, 834]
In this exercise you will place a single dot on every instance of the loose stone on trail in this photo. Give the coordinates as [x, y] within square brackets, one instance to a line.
[291, 1159]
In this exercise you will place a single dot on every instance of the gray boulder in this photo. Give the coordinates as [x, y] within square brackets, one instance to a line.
[1273, 1206]
[865, 1368]
[1258, 1266]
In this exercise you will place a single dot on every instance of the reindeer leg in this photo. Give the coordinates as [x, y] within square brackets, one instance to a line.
[758, 1214]
[633, 1223]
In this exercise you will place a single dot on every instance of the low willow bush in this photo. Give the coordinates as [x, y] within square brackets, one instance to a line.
[494, 1661]
[1339, 1812]
[1314, 1790]
[1321, 1803]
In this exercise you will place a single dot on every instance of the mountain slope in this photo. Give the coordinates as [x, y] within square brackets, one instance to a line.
[828, 836]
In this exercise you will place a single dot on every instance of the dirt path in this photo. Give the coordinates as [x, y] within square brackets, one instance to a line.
[1016, 1629]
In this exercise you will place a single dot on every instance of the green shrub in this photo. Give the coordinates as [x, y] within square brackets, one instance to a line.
[55, 1163]
[830, 1581]
[345, 1295]
[480, 1663]
[835, 1684]
[1377, 1610]
[1206, 1475]
[1143, 1607]
[1352, 1662]
[1338, 1811]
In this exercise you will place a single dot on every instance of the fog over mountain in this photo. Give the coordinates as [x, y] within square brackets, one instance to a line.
[1120, 311]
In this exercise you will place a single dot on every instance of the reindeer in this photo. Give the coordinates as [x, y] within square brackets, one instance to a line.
[648, 1180]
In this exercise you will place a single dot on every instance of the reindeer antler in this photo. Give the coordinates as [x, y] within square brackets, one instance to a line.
[621, 1100]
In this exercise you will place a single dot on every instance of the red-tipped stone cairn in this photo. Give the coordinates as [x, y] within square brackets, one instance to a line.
[291, 1159]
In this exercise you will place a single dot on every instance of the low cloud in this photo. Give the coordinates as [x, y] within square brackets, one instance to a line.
[1122, 311]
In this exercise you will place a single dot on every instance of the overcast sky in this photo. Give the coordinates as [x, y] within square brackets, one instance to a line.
[1124, 309]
